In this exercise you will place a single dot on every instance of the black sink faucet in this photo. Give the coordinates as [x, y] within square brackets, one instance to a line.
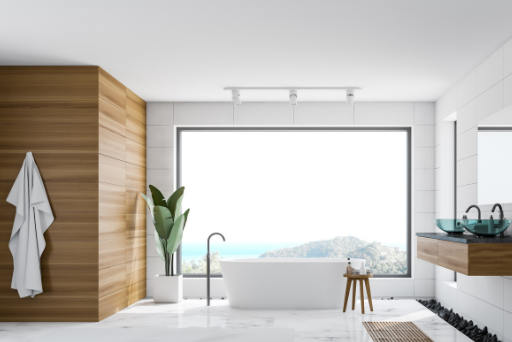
[208, 267]
[497, 205]
[477, 208]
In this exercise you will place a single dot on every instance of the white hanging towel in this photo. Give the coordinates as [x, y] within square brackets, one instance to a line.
[33, 216]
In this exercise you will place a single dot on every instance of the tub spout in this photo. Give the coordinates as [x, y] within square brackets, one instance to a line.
[208, 267]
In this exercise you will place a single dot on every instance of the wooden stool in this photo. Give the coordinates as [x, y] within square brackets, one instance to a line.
[352, 279]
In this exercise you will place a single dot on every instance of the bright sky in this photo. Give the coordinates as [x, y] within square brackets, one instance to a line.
[290, 186]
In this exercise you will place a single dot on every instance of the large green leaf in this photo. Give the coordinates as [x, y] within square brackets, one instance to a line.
[163, 221]
[150, 205]
[176, 235]
[172, 202]
[186, 218]
[177, 209]
[158, 198]
[159, 246]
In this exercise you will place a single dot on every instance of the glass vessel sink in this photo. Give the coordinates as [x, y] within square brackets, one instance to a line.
[486, 227]
[451, 226]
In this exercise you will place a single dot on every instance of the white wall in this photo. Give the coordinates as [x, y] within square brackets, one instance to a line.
[164, 117]
[483, 97]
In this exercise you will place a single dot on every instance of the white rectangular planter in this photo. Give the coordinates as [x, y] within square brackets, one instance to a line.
[168, 289]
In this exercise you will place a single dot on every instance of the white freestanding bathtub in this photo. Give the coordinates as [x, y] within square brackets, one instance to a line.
[285, 283]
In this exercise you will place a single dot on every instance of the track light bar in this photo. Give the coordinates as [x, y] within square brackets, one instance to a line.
[235, 96]
[293, 97]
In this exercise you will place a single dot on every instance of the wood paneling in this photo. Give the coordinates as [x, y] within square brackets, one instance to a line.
[67, 167]
[135, 153]
[453, 255]
[135, 130]
[112, 144]
[112, 170]
[5, 188]
[49, 111]
[113, 303]
[48, 138]
[136, 292]
[135, 271]
[427, 249]
[112, 117]
[111, 225]
[112, 279]
[66, 196]
[134, 202]
[135, 224]
[135, 248]
[135, 106]
[112, 252]
[57, 284]
[112, 90]
[112, 197]
[135, 177]
[10, 166]
[490, 259]
[48, 310]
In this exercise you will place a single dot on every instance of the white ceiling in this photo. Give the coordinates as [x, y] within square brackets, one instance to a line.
[396, 50]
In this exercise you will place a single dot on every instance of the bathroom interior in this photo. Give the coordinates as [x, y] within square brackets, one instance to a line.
[249, 171]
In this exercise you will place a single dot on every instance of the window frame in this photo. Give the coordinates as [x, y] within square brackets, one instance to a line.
[407, 130]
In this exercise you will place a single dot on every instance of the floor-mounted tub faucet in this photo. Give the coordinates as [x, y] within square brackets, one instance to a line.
[208, 268]
[477, 208]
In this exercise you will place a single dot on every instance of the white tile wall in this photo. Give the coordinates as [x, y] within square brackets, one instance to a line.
[162, 179]
[490, 71]
[160, 136]
[383, 113]
[264, 114]
[508, 57]
[507, 91]
[467, 284]
[467, 195]
[507, 294]
[424, 270]
[490, 316]
[310, 113]
[424, 179]
[424, 288]
[159, 158]
[446, 293]
[507, 329]
[467, 143]
[490, 101]
[397, 287]
[424, 201]
[159, 113]
[466, 89]
[424, 113]
[446, 105]
[438, 176]
[424, 136]
[466, 117]
[424, 157]
[490, 290]
[203, 113]
[466, 305]
[467, 171]
[424, 222]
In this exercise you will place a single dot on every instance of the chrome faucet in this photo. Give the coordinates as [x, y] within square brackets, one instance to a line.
[477, 208]
[208, 267]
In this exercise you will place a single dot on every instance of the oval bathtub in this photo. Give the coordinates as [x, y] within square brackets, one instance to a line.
[285, 283]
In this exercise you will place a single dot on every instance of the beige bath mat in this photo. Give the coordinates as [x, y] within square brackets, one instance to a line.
[395, 331]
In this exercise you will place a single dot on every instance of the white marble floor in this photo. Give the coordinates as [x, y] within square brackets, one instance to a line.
[321, 325]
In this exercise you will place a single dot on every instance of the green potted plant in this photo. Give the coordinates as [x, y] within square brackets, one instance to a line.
[169, 224]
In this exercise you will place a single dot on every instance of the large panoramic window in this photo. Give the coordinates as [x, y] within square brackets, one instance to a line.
[296, 194]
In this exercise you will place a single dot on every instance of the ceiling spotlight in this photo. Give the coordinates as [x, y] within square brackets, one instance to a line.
[350, 97]
[293, 97]
[235, 96]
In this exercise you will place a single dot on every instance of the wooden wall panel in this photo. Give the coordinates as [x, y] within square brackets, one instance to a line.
[135, 153]
[136, 292]
[112, 197]
[112, 170]
[112, 279]
[112, 117]
[135, 177]
[135, 130]
[48, 310]
[48, 138]
[73, 226]
[57, 284]
[112, 90]
[112, 252]
[49, 111]
[136, 248]
[135, 271]
[112, 144]
[135, 106]
[68, 196]
[112, 303]
[135, 224]
[134, 201]
[111, 225]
